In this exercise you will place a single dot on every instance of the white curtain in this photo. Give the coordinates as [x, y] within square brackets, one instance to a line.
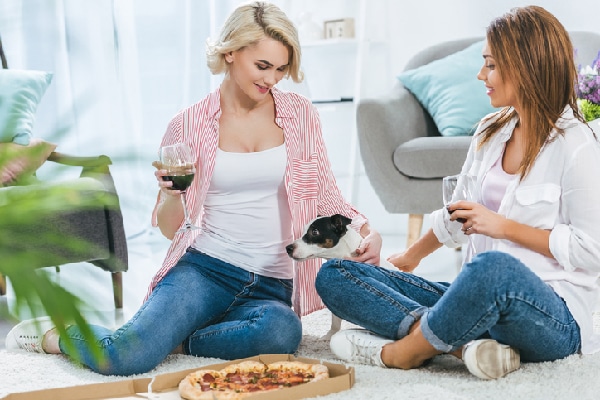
[122, 69]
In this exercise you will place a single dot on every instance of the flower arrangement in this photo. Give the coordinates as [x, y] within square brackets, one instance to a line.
[588, 90]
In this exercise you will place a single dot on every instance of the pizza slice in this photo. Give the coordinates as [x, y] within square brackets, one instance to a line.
[202, 384]
[291, 373]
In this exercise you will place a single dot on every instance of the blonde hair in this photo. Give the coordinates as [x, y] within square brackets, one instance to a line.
[534, 52]
[247, 25]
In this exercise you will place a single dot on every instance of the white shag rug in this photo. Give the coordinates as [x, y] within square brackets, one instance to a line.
[445, 378]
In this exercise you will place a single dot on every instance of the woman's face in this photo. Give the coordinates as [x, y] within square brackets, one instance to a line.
[257, 68]
[501, 92]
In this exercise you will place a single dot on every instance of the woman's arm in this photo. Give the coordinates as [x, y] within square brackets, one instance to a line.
[168, 210]
[534, 239]
[486, 222]
[575, 243]
[170, 215]
[330, 199]
[408, 260]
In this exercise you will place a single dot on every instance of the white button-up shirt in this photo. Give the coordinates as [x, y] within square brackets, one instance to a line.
[561, 193]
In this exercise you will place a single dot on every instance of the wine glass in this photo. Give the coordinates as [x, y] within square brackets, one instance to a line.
[460, 187]
[179, 162]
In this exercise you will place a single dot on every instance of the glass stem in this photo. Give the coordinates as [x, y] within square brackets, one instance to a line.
[472, 244]
[188, 223]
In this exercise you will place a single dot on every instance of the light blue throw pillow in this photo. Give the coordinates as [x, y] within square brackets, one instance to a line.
[449, 90]
[20, 93]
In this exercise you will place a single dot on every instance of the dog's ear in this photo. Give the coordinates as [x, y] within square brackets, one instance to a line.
[340, 221]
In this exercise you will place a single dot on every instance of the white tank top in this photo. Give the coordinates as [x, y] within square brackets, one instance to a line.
[247, 220]
[494, 185]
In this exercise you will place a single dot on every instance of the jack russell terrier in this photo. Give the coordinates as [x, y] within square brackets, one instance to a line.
[329, 237]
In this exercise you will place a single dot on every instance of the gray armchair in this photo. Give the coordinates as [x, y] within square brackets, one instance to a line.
[86, 227]
[404, 155]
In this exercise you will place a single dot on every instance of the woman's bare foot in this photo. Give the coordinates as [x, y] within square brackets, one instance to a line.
[50, 342]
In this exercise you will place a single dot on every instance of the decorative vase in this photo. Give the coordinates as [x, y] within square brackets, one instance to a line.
[308, 29]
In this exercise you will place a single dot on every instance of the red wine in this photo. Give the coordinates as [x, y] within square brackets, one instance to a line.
[180, 182]
[461, 220]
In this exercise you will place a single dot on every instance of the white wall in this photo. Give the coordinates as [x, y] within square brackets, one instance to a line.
[415, 25]
[410, 26]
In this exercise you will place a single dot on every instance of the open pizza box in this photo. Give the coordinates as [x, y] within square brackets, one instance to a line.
[165, 386]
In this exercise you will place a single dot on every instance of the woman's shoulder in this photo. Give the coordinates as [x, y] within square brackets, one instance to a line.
[575, 131]
[207, 106]
[193, 117]
[291, 99]
[580, 135]
[574, 137]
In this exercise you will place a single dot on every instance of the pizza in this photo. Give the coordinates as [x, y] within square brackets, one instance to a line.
[240, 380]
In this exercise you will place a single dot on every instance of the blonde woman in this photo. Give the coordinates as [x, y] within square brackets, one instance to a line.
[226, 290]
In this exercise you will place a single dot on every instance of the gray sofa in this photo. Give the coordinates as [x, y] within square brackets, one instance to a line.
[404, 155]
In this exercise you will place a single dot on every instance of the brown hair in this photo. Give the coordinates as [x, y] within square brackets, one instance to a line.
[247, 25]
[534, 52]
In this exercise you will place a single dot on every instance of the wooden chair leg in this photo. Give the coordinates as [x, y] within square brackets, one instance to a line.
[2, 285]
[415, 224]
[117, 281]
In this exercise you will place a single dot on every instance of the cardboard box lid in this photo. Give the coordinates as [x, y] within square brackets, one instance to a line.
[165, 386]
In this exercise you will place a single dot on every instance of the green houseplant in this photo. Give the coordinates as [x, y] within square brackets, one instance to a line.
[21, 264]
[32, 213]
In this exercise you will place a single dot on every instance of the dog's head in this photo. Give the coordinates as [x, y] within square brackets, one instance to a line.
[321, 239]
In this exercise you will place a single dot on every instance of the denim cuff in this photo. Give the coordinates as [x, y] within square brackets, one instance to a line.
[432, 338]
[408, 321]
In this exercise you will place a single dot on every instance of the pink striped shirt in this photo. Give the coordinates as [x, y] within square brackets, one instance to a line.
[309, 180]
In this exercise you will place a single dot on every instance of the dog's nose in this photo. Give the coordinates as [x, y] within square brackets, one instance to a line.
[290, 249]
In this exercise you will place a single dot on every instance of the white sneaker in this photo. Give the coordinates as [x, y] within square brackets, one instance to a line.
[359, 346]
[488, 359]
[27, 335]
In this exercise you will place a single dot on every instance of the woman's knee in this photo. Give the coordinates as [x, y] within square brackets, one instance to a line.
[324, 276]
[283, 336]
[494, 267]
[330, 275]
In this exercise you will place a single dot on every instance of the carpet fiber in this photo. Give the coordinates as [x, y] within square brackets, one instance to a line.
[445, 378]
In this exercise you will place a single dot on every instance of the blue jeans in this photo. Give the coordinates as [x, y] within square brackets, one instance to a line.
[211, 307]
[494, 296]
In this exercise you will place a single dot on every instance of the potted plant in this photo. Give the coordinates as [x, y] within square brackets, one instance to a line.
[588, 90]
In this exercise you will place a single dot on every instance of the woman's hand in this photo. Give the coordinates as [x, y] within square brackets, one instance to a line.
[479, 219]
[369, 250]
[408, 260]
[170, 213]
[164, 186]
[483, 221]
[404, 262]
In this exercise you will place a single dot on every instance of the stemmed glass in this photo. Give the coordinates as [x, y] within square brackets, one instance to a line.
[179, 162]
[460, 187]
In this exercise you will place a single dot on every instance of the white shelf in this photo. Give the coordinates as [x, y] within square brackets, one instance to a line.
[336, 71]
[330, 42]
[338, 42]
